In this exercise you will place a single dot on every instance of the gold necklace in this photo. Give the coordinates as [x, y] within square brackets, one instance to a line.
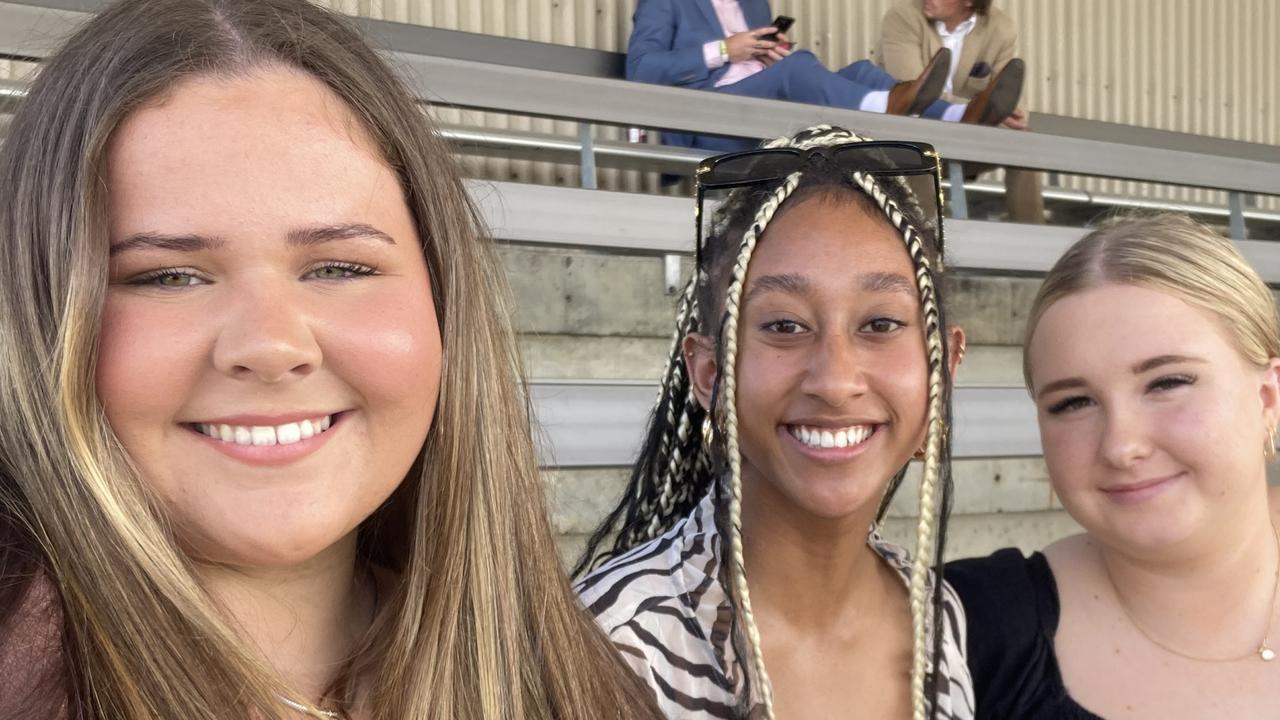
[309, 709]
[1264, 650]
[312, 710]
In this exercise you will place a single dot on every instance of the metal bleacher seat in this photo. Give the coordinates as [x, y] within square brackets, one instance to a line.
[598, 423]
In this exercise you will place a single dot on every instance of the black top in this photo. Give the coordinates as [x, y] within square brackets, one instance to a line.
[1011, 606]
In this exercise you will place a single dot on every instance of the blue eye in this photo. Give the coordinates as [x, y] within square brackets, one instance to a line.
[341, 271]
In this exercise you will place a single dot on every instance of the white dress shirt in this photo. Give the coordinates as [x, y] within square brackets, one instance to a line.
[953, 40]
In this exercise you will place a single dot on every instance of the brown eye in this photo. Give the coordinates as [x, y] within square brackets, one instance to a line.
[882, 325]
[784, 327]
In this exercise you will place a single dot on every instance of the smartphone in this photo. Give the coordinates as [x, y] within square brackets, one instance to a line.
[783, 23]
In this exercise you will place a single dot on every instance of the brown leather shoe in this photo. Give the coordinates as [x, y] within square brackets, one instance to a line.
[913, 96]
[1000, 98]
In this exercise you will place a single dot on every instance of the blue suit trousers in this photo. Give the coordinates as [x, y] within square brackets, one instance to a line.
[801, 77]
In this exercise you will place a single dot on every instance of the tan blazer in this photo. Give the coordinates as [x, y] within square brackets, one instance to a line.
[908, 39]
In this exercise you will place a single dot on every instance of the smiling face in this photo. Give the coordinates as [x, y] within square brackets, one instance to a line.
[831, 373]
[270, 357]
[1152, 422]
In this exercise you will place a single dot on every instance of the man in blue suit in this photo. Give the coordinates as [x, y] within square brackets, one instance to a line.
[722, 45]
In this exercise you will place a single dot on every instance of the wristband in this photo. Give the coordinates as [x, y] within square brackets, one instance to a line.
[724, 51]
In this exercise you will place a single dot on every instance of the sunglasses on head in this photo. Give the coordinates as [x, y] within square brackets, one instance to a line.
[877, 158]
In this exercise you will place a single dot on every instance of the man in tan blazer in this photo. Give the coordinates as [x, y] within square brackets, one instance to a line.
[983, 40]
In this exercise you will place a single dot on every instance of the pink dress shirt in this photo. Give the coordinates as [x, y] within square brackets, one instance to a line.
[732, 21]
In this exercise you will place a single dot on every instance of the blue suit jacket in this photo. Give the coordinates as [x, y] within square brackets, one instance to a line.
[668, 36]
[666, 45]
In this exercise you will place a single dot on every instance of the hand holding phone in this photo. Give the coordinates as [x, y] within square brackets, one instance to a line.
[782, 23]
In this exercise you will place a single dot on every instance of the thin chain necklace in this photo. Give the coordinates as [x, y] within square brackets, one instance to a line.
[1264, 650]
[332, 714]
[309, 709]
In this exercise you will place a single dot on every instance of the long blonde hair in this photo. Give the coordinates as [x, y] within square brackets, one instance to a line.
[1174, 254]
[482, 623]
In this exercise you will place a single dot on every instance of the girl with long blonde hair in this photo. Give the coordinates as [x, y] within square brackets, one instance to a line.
[742, 573]
[264, 449]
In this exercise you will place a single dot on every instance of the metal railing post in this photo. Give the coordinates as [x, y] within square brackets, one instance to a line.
[671, 273]
[588, 156]
[959, 201]
[1235, 208]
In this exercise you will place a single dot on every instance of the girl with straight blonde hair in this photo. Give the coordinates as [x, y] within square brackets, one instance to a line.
[1153, 358]
[264, 450]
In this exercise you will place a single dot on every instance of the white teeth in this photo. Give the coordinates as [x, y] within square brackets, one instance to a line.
[265, 435]
[290, 433]
[843, 437]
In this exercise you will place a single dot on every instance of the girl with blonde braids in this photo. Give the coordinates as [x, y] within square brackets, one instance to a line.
[742, 573]
[263, 448]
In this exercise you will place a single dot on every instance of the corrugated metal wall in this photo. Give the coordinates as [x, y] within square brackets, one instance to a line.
[1185, 65]
[1191, 66]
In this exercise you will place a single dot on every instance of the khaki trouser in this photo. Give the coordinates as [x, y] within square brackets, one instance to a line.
[1023, 192]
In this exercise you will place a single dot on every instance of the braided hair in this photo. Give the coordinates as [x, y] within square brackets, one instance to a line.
[689, 451]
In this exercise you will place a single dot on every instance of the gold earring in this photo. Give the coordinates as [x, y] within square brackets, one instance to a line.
[1269, 450]
[708, 433]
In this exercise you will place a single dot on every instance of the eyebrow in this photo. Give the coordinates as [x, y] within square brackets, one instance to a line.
[789, 283]
[316, 235]
[298, 237]
[1138, 368]
[1160, 360]
[160, 241]
[886, 283]
[1064, 384]
[880, 282]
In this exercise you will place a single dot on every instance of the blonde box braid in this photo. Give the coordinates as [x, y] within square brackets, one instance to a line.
[926, 527]
[730, 381]
[675, 468]
[674, 448]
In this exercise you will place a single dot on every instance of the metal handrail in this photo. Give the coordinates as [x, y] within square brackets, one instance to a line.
[511, 144]
[453, 81]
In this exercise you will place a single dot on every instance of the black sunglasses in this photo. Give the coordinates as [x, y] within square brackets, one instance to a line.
[751, 167]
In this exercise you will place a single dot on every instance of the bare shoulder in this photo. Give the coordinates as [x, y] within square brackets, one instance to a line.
[1069, 548]
[1072, 558]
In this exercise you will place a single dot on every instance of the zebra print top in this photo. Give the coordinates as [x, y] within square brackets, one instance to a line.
[665, 606]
